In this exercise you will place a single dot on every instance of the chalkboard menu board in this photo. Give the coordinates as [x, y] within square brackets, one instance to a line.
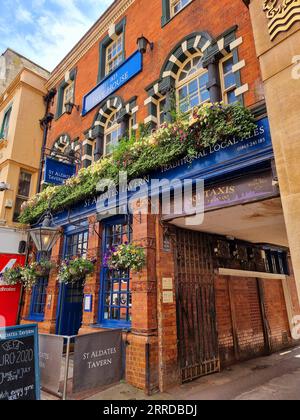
[19, 363]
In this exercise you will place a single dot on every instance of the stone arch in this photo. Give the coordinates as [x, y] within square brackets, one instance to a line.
[107, 108]
[62, 143]
[194, 43]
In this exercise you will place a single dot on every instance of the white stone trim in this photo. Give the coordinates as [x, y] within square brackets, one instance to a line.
[169, 74]
[135, 109]
[205, 46]
[236, 43]
[149, 100]
[221, 46]
[241, 90]
[87, 157]
[88, 141]
[238, 66]
[150, 118]
[197, 42]
[175, 60]
[135, 127]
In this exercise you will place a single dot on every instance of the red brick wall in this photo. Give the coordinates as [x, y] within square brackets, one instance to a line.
[276, 314]
[238, 310]
[144, 17]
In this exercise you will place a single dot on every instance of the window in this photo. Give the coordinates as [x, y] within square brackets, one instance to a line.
[112, 134]
[38, 300]
[114, 55]
[161, 114]
[65, 93]
[23, 193]
[77, 245]
[68, 95]
[228, 81]
[277, 262]
[5, 124]
[191, 85]
[177, 5]
[116, 286]
[112, 51]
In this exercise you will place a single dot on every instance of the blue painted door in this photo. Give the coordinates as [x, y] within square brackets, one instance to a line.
[70, 308]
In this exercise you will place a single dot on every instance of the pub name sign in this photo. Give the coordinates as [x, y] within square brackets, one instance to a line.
[125, 72]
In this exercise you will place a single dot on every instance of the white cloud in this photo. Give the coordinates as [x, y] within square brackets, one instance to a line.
[45, 31]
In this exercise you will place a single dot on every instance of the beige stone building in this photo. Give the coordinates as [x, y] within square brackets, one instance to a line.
[21, 108]
[276, 27]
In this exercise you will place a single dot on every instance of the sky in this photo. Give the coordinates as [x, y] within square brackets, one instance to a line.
[46, 30]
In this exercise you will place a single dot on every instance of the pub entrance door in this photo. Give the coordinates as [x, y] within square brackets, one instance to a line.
[70, 309]
[196, 310]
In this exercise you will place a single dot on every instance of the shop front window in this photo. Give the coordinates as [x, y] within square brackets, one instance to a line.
[116, 308]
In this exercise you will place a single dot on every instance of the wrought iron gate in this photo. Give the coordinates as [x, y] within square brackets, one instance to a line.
[196, 312]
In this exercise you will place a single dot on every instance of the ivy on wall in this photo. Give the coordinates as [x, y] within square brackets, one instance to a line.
[186, 136]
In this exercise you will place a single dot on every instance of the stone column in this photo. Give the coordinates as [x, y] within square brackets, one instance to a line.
[99, 142]
[92, 285]
[281, 76]
[214, 84]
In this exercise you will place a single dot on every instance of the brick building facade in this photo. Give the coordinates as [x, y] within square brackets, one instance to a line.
[206, 298]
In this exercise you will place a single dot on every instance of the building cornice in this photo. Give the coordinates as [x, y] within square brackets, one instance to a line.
[111, 16]
[16, 83]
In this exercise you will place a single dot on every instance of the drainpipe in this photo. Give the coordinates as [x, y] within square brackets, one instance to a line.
[45, 124]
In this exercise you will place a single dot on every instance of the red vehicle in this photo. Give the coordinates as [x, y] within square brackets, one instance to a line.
[9, 295]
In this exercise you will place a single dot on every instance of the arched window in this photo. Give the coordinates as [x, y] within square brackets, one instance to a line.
[112, 133]
[191, 85]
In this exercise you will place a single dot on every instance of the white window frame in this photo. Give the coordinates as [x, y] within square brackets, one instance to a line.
[115, 60]
[67, 96]
[159, 111]
[174, 3]
[187, 81]
[225, 91]
[109, 130]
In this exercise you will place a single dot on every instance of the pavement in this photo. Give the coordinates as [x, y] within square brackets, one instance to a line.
[276, 377]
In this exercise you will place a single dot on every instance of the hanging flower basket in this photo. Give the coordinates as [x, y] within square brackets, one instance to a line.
[11, 277]
[75, 270]
[126, 257]
[44, 267]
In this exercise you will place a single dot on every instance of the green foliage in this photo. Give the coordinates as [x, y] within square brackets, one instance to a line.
[28, 275]
[75, 270]
[11, 277]
[186, 136]
[126, 257]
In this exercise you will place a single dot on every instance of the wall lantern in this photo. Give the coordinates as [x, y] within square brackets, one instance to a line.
[45, 237]
[69, 107]
[142, 43]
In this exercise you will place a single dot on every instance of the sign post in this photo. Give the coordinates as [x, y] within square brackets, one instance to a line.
[19, 364]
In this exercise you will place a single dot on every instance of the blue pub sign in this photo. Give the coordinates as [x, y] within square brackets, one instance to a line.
[125, 72]
[58, 172]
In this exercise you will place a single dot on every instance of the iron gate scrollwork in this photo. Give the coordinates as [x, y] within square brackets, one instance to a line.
[196, 310]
